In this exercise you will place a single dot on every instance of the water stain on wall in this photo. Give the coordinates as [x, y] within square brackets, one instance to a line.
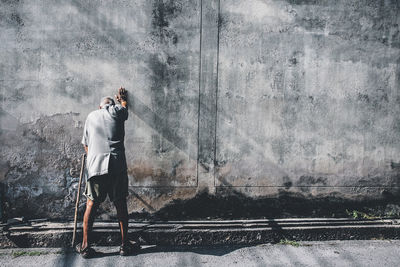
[163, 12]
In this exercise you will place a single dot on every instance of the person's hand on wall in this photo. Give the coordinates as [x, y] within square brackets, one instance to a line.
[122, 96]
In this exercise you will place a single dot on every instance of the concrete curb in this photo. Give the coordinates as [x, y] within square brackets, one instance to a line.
[228, 232]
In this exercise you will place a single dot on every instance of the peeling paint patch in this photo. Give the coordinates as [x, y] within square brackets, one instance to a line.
[39, 156]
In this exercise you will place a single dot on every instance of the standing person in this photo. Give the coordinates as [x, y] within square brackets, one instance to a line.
[103, 140]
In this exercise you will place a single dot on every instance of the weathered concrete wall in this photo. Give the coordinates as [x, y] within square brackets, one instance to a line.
[315, 91]
[250, 99]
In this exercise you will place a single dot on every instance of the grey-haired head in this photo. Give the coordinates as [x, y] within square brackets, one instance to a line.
[108, 100]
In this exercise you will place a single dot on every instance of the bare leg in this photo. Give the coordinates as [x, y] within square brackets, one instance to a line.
[88, 220]
[122, 214]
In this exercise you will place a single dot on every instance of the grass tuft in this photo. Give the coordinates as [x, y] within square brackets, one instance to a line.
[289, 242]
[361, 215]
[20, 253]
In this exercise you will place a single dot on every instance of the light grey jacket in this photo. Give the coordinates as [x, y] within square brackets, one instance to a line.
[104, 134]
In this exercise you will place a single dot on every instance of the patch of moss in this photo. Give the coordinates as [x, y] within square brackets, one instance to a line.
[361, 215]
[20, 253]
[289, 242]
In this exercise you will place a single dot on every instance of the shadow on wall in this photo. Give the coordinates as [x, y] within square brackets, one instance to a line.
[230, 204]
[159, 124]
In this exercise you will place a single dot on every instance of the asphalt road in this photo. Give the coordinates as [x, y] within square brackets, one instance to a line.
[328, 253]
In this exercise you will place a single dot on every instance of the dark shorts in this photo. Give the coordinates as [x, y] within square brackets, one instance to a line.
[115, 186]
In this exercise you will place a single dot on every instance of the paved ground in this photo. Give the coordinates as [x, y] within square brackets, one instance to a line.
[328, 253]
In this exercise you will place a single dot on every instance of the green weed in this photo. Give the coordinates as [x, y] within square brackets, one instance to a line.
[27, 253]
[289, 242]
[361, 215]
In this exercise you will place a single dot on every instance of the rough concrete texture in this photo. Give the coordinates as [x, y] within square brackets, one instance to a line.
[247, 99]
[325, 109]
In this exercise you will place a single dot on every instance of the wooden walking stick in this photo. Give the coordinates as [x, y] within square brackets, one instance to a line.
[77, 198]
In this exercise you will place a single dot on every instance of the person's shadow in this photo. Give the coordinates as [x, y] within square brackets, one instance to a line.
[214, 250]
